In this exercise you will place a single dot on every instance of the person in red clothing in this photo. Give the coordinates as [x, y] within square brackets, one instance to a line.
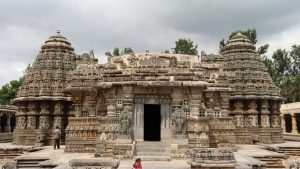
[137, 164]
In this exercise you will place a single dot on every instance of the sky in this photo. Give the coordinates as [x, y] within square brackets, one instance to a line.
[102, 25]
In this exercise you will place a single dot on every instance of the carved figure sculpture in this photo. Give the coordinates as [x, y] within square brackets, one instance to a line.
[22, 122]
[57, 121]
[44, 122]
[31, 122]
[125, 122]
[179, 119]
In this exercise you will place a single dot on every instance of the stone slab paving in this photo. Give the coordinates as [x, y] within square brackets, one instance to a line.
[174, 164]
[255, 151]
[244, 156]
[10, 145]
[59, 157]
[286, 144]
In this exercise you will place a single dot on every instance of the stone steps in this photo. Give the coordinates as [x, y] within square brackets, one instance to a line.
[6, 137]
[29, 162]
[153, 151]
[272, 162]
[10, 153]
[294, 151]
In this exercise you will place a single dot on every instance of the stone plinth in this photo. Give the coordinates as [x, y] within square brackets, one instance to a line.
[209, 158]
[94, 163]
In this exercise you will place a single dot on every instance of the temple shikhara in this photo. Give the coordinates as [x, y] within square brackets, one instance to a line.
[172, 103]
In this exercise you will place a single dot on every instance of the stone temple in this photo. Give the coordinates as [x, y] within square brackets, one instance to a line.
[172, 100]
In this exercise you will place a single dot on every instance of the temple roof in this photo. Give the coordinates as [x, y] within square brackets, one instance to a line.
[57, 41]
[50, 72]
[238, 42]
[248, 75]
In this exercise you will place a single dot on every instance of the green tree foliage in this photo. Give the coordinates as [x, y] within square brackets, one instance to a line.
[9, 91]
[285, 72]
[185, 46]
[127, 50]
[281, 64]
[108, 53]
[295, 72]
[116, 52]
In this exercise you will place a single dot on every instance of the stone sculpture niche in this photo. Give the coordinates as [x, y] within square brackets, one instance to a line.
[179, 122]
[125, 122]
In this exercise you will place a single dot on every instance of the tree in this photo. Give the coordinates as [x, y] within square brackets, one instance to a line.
[251, 35]
[295, 72]
[116, 52]
[9, 91]
[108, 53]
[127, 50]
[185, 46]
[282, 73]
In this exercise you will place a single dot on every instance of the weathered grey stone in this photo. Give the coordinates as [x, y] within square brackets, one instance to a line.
[94, 163]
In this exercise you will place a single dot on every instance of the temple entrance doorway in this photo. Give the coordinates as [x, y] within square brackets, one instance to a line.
[152, 120]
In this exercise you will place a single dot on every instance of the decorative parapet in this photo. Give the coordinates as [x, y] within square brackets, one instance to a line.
[211, 158]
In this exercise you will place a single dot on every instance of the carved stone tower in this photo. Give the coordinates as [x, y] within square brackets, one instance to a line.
[42, 105]
[255, 99]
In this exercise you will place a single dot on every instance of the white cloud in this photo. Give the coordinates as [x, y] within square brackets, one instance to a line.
[11, 71]
[102, 25]
[283, 40]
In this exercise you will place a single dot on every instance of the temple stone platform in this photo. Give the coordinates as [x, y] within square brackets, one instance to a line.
[246, 156]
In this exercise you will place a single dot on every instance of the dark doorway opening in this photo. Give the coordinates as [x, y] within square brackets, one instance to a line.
[298, 121]
[3, 121]
[152, 122]
[288, 123]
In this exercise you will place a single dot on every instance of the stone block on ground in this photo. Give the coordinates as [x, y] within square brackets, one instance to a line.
[94, 163]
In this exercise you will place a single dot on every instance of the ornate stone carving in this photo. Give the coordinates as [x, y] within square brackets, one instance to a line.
[251, 121]
[179, 120]
[44, 122]
[239, 120]
[275, 121]
[212, 157]
[21, 122]
[125, 122]
[31, 122]
[265, 121]
[57, 122]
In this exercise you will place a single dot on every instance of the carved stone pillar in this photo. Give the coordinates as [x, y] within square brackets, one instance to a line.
[252, 119]
[196, 97]
[77, 109]
[238, 112]
[274, 114]
[58, 113]
[294, 124]
[31, 120]
[265, 113]
[283, 123]
[7, 127]
[111, 108]
[176, 98]
[127, 98]
[92, 103]
[44, 118]
[21, 117]
[224, 103]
